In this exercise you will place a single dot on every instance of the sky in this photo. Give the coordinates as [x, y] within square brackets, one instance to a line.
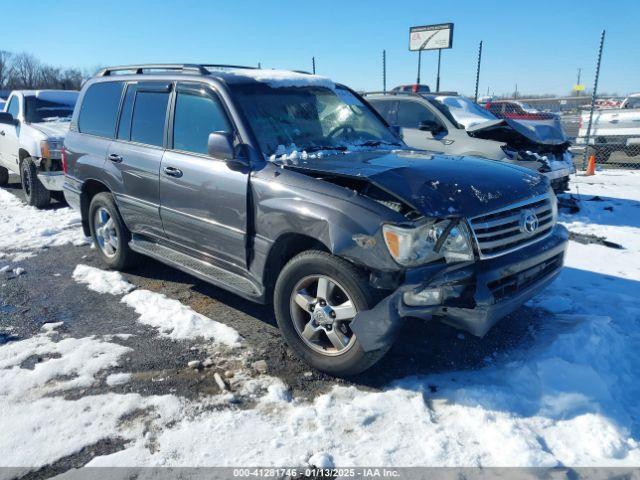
[537, 46]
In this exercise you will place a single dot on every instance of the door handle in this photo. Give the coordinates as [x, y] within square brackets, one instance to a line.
[173, 172]
[115, 158]
[2, 133]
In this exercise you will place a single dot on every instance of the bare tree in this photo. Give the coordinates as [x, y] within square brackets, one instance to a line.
[25, 71]
[5, 67]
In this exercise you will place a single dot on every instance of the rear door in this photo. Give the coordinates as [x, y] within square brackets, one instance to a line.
[203, 201]
[410, 113]
[133, 159]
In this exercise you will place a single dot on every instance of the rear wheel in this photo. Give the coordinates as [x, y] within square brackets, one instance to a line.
[110, 235]
[35, 193]
[317, 295]
[4, 176]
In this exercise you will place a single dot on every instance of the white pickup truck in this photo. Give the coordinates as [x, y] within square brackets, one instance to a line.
[613, 129]
[32, 128]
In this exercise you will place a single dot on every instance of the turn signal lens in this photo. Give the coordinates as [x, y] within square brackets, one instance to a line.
[44, 149]
[393, 243]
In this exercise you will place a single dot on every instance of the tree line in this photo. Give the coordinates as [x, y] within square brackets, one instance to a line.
[25, 71]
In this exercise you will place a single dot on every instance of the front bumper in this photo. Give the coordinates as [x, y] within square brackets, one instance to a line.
[53, 181]
[474, 296]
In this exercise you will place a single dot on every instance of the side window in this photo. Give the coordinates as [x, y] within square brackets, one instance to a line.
[124, 127]
[99, 109]
[14, 107]
[149, 113]
[411, 113]
[384, 108]
[197, 114]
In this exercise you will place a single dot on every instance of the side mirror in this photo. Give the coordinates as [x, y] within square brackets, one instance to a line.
[7, 119]
[220, 146]
[430, 126]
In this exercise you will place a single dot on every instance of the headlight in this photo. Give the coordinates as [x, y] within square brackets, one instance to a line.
[427, 243]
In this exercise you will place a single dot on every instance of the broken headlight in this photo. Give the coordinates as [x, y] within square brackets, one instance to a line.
[447, 239]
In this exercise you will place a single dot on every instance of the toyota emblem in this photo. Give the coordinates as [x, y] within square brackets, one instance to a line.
[528, 222]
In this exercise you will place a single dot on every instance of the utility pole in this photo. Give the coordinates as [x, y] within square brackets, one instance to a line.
[578, 82]
[594, 94]
[384, 71]
[313, 63]
[478, 71]
[438, 77]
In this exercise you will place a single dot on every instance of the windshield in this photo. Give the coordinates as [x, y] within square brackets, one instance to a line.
[310, 119]
[39, 109]
[465, 111]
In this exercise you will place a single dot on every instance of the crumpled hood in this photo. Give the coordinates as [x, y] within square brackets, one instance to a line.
[433, 184]
[52, 129]
[546, 132]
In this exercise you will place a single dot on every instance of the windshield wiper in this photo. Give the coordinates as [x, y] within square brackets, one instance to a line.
[316, 148]
[377, 143]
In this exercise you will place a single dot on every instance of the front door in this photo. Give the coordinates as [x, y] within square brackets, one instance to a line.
[203, 201]
[410, 114]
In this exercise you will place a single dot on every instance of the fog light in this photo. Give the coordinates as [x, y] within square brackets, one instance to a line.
[432, 296]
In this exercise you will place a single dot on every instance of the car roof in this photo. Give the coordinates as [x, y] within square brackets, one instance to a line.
[230, 74]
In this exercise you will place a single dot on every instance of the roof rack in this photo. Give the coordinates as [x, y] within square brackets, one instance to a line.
[200, 69]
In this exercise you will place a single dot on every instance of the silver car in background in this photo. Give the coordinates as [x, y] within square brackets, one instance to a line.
[448, 123]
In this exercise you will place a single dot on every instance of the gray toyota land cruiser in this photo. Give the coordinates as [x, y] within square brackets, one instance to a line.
[284, 187]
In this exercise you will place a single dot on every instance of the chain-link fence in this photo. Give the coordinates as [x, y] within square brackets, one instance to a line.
[614, 137]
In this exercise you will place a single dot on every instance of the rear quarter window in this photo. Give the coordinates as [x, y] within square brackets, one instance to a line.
[99, 109]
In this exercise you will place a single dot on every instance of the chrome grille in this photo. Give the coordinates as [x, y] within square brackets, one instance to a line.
[501, 231]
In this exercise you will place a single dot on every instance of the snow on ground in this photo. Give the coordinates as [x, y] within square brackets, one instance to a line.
[101, 281]
[170, 317]
[24, 230]
[568, 397]
[38, 424]
[177, 321]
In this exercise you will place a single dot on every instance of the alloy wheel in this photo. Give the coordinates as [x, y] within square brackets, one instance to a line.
[322, 310]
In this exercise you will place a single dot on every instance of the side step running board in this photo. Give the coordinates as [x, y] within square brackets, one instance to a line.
[198, 268]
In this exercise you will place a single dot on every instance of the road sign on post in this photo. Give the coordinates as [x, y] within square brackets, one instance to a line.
[431, 37]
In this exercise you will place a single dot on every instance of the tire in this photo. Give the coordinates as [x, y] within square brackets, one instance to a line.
[111, 239]
[35, 193]
[58, 197]
[291, 317]
[4, 176]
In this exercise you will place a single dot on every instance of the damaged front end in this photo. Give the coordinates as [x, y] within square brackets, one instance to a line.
[539, 145]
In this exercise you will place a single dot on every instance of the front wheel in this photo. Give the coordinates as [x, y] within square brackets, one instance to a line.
[317, 295]
[34, 191]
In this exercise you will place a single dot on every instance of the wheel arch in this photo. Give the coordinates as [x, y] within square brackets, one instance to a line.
[90, 188]
[286, 246]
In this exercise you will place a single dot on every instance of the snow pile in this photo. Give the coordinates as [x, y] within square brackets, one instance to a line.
[101, 281]
[177, 321]
[25, 229]
[170, 317]
[284, 78]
